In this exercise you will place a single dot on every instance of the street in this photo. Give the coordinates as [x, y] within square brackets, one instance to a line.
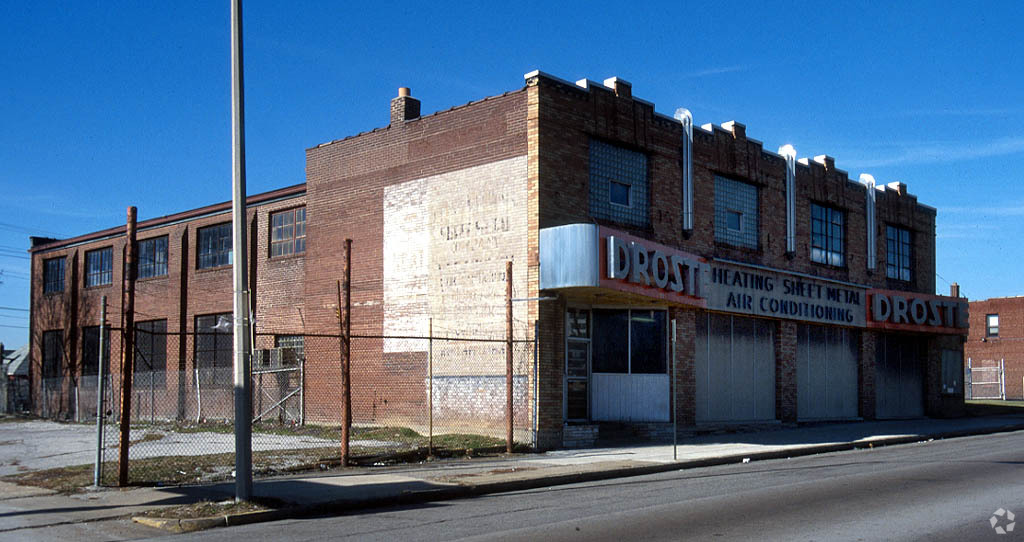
[940, 490]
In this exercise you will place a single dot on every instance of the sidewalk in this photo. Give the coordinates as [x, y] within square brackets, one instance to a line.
[315, 493]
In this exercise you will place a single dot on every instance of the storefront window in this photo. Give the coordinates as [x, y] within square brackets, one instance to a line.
[629, 341]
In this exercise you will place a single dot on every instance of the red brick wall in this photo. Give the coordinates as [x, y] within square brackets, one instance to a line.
[1008, 346]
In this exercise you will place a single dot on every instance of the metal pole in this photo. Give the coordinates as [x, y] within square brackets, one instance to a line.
[536, 386]
[430, 386]
[128, 352]
[302, 387]
[243, 363]
[97, 473]
[199, 399]
[508, 357]
[675, 415]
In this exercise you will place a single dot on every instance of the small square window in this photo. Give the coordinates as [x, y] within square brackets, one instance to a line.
[734, 220]
[827, 236]
[991, 325]
[288, 232]
[618, 193]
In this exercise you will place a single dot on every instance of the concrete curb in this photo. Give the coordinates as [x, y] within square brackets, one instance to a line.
[540, 481]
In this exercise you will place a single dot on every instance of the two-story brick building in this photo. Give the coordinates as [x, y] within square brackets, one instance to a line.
[661, 263]
[995, 347]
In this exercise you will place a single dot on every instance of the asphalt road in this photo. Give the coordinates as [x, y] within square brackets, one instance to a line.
[941, 490]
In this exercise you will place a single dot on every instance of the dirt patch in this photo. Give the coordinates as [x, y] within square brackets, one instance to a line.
[210, 509]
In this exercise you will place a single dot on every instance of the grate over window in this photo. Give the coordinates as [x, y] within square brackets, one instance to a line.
[618, 184]
[736, 216]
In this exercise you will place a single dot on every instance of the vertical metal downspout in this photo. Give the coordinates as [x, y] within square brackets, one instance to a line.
[686, 119]
[872, 235]
[789, 153]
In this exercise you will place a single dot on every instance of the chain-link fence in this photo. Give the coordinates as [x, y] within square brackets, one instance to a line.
[410, 397]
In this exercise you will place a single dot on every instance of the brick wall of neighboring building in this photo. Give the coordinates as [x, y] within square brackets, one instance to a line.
[1008, 345]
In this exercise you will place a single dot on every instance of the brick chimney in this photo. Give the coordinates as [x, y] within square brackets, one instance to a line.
[404, 107]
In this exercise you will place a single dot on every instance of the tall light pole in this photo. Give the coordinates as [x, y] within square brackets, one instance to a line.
[243, 380]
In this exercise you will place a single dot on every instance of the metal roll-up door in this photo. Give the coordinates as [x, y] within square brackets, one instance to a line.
[735, 369]
[826, 372]
[899, 377]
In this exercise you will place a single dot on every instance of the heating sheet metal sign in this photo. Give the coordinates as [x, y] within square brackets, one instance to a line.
[763, 292]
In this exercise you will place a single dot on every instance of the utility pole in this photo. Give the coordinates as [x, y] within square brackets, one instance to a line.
[243, 363]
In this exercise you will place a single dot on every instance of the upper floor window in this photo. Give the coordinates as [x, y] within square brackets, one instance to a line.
[214, 246]
[897, 249]
[99, 265]
[153, 257]
[53, 275]
[827, 235]
[736, 217]
[618, 184]
[991, 325]
[288, 232]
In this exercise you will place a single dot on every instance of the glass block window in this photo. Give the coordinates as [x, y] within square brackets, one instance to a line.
[618, 184]
[99, 266]
[214, 246]
[292, 348]
[288, 232]
[53, 275]
[897, 248]
[827, 235]
[736, 216]
[153, 257]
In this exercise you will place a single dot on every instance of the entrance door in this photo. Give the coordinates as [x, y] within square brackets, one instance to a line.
[899, 377]
[577, 365]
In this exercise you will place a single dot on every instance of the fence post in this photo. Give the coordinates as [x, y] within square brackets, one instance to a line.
[128, 352]
[508, 357]
[97, 473]
[1002, 378]
[344, 323]
[430, 387]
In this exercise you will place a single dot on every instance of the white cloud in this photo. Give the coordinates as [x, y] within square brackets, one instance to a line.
[717, 71]
[941, 152]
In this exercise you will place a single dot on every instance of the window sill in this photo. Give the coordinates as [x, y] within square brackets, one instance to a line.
[150, 279]
[287, 257]
[98, 286]
[210, 269]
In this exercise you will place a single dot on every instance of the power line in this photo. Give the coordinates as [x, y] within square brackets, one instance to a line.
[13, 309]
[14, 327]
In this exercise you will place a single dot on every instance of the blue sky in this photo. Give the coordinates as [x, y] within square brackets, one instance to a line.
[109, 104]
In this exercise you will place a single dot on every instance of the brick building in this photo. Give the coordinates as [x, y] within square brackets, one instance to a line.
[995, 347]
[773, 289]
